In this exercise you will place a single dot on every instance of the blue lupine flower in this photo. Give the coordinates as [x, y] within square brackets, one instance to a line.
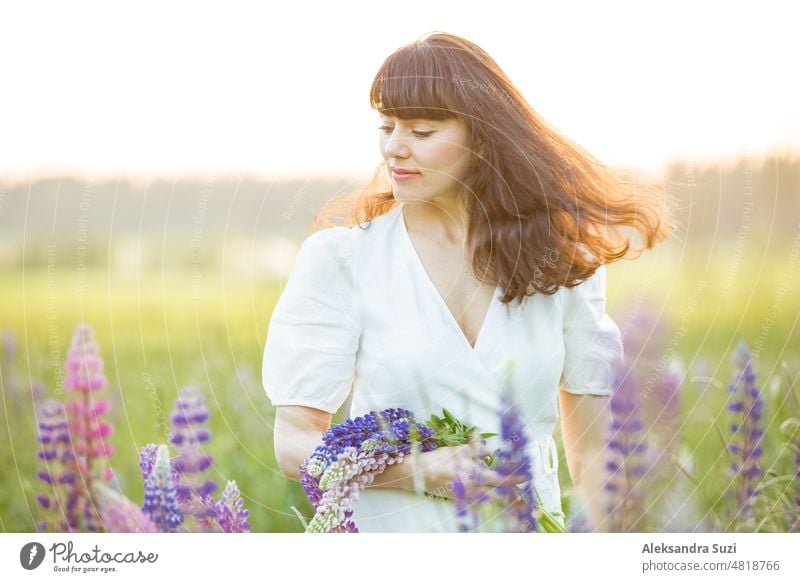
[58, 473]
[745, 444]
[160, 496]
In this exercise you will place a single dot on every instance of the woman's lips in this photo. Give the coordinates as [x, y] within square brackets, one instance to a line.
[404, 175]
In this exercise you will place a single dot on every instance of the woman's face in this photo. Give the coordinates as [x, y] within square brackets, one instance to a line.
[438, 152]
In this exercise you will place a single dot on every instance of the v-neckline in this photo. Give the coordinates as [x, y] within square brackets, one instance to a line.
[438, 295]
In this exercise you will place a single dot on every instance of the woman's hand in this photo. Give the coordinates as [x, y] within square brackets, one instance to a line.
[439, 467]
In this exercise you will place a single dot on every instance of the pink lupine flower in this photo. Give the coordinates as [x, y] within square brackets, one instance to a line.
[84, 368]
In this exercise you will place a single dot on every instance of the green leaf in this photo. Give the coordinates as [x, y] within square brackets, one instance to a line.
[449, 416]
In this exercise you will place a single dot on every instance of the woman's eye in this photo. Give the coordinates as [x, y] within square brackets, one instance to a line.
[387, 129]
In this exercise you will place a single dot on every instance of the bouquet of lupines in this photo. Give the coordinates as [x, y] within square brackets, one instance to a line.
[351, 455]
[354, 452]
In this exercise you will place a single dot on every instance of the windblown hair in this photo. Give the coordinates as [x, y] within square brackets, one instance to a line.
[543, 213]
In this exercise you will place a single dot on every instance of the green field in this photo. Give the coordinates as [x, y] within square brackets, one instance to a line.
[158, 333]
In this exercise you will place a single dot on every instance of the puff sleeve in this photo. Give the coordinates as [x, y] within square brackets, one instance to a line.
[592, 340]
[313, 334]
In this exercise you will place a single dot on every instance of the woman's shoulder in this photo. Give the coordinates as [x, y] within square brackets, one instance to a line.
[349, 239]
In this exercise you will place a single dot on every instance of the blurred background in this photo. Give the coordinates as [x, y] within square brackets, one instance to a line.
[160, 166]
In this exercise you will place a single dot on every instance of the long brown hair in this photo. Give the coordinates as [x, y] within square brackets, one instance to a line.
[539, 202]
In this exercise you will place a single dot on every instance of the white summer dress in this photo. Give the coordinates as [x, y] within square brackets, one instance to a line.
[359, 312]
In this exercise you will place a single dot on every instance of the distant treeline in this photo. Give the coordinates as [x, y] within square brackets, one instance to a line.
[757, 198]
[179, 220]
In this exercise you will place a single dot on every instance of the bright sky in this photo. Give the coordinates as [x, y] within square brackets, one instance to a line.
[280, 90]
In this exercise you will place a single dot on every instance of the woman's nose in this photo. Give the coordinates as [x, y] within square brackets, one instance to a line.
[396, 147]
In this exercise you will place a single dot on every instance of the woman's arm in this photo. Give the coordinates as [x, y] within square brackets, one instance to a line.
[299, 430]
[585, 424]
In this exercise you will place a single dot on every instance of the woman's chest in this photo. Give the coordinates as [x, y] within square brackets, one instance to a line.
[413, 319]
[467, 299]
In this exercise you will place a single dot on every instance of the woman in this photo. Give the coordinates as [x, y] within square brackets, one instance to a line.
[481, 266]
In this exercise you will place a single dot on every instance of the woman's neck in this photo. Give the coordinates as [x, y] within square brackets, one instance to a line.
[442, 220]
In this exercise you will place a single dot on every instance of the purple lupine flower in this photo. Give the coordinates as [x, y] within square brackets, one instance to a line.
[392, 428]
[160, 496]
[469, 495]
[352, 453]
[231, 516]
[745, 444]
[147, 458]
[58, 472]
[627, 447]
[84, 377]
[666, 396]
[513, 461]
[466, 518]
[188, 421]
[119, 514]
[510, 460]
[204, 511]
[664, 422]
